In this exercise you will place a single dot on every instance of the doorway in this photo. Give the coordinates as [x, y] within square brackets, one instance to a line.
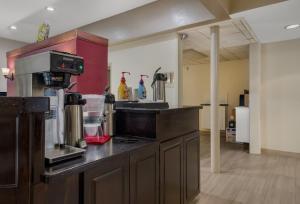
[233, 78]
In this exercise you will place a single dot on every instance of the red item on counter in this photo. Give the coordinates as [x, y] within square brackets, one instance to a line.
[97, 140]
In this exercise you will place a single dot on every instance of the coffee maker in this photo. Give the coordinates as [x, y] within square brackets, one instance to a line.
[48, 74]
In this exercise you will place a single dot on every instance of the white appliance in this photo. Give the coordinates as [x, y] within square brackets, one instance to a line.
[242, 124]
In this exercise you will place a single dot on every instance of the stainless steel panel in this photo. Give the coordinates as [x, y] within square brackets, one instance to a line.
[159, 91]
[33, 64]
[73, 125]
[109, 125]
[24, 85]
[37, 63]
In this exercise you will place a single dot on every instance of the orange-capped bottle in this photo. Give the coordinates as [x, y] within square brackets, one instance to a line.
[123, 89]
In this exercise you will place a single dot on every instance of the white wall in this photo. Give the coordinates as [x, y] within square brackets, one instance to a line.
[6, 45]
[281, 96]
[144, 57]
[234, 78]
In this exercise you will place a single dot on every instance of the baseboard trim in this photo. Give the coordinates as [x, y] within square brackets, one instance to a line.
[280, 153]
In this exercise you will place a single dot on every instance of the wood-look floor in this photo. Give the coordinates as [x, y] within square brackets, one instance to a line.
[250, 179]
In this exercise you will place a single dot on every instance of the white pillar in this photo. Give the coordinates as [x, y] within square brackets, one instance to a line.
[180, 69]
[214, 103]
[255, 97]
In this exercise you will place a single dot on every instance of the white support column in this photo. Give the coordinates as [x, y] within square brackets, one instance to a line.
[214, 87]
[180, 69]
[255, 97]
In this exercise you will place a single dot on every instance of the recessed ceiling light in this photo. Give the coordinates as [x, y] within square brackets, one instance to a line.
[50, 8]
[292, 26]
[13, 27]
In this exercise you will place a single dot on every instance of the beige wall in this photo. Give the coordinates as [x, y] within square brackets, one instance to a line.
[144, 57]
[6, 45]
[234, 78]
[281, 96]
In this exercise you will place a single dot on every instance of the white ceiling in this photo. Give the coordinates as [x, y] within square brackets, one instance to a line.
[235, 36]
[157, 17]
[193, 57]
[268, 22]
[27, 15]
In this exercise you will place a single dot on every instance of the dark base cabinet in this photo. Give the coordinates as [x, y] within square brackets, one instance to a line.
[144, 175]
[128, 178]
[191, 167]
[165, 170]
[108, 183]
[171, 172]
[65, 190]
[180, 169]
[21, 147]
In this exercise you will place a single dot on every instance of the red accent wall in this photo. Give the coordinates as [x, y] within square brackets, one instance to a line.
[92, 48]
[94, 79]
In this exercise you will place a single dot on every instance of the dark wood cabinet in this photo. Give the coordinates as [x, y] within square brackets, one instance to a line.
[21, 147]
[171, 171]
[144, 175]
[177, 131]
[108, 182]
[191, 166]
[163, 171]
[180, 169]
[65, 190]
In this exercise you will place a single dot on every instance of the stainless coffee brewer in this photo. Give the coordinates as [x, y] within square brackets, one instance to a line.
[48, 74]
[159, 86]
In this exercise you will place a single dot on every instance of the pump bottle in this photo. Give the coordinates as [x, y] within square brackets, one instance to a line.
[123, 89]
[142, 93]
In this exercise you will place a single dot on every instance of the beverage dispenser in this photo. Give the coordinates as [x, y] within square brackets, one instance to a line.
[159, 86]
[48, 74]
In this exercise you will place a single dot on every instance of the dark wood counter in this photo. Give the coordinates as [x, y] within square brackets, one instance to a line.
[161, 167]
[113, 173]
[159, 124]
[177, 130]
[93, 156]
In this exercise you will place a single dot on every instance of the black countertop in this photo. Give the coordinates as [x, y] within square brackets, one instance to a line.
[158, 110]
[93, 155]
[208, 104]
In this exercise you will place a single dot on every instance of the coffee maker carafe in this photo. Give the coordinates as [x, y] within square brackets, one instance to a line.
[74, 120]
[48, 74]
[159, 86]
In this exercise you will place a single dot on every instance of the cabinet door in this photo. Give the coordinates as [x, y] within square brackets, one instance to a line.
[191, 166]
[108, 183]
[13, 179]
[171, 172]
[65, 190]
[144, 175]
